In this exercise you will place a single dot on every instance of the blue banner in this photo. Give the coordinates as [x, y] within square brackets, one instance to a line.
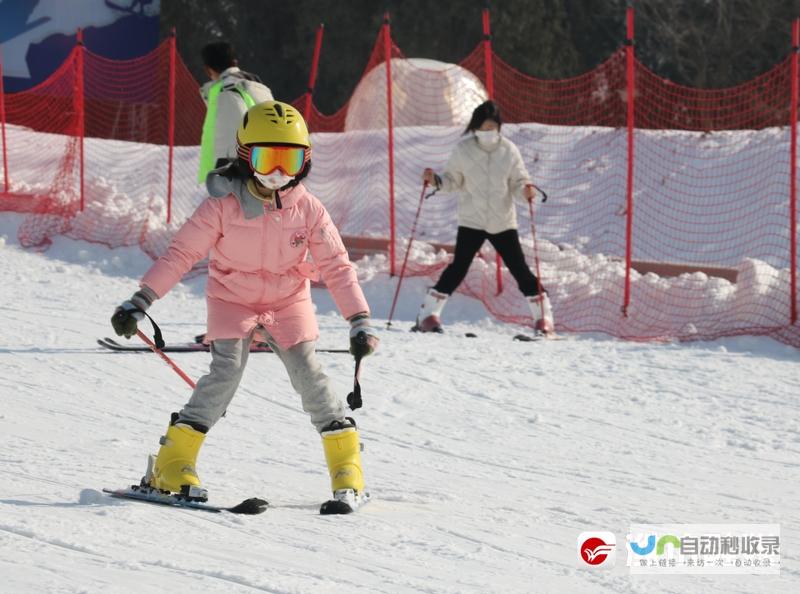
[36, 36]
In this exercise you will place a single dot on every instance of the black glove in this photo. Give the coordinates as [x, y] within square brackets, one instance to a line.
[363, 339]
[127, 315]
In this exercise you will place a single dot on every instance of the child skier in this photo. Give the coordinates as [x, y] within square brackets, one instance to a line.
[257, 228]
[487, 169]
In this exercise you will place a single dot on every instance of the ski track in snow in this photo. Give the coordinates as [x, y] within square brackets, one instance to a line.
[485, 457]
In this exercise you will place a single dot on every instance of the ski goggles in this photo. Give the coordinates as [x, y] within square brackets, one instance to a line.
[266, 159]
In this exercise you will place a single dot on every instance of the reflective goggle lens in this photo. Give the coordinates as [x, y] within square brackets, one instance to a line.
[266, 159]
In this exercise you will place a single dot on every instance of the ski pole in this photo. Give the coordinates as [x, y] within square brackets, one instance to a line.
[354, 400]
[408, 251]
[169, 361]
[536, 251]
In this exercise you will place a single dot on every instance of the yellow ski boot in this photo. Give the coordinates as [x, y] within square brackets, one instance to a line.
[343, 455]
[173, 469]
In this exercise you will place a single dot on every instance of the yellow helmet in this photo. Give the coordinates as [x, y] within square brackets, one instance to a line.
[272, 122]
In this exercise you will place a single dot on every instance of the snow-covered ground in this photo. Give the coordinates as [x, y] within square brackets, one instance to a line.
[485, 457]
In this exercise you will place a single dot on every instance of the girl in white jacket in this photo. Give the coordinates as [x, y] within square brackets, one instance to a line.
[487, 169]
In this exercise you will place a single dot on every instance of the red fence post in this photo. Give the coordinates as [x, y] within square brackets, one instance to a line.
[487, 54]
[629, 184]
[387, 53]
[80, 106]
[171, 123]
[793, 174]
[312, 78]
[3, 124]
[487, 64]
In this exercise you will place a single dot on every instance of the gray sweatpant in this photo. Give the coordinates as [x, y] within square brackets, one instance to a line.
[215, 390]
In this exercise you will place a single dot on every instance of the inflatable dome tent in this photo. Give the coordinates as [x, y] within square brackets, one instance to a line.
[424, 93]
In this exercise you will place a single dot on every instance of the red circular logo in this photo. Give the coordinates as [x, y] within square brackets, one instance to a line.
[595, 550]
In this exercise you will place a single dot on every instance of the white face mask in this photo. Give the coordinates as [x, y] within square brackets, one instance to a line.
[274, 180]
[487, 138]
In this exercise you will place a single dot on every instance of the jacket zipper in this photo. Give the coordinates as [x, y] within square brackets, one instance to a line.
[264, 235]
[488, 190]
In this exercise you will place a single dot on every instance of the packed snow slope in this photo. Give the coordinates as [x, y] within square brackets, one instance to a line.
[486, 457]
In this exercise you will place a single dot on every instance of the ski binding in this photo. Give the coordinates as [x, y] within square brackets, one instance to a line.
[345, 501]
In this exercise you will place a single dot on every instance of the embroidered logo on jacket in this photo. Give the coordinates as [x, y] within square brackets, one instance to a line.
[298, 239]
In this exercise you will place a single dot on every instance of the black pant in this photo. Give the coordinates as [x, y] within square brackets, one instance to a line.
[469, 241]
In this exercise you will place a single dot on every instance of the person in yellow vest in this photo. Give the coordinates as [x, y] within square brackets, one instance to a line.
[228, 95]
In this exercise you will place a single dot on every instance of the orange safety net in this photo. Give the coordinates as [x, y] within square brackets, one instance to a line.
[710, 247]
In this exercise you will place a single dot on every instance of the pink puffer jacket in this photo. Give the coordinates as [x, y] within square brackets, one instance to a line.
[257, 271]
